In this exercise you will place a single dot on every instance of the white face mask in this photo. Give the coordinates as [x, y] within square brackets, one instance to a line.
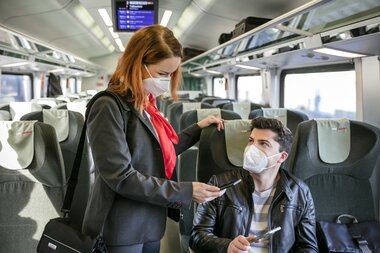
[156, 86]
[255, 160]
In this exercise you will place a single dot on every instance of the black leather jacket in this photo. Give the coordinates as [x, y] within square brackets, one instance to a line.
[218, 222]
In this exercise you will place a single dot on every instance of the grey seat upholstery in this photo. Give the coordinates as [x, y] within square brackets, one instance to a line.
[175, 111]
[212, 156]
[342, 187]
[210, 100]
[5, 107]
[31, 196]
[5, 115]
[254, 106]
[69, 149]
[293, 117]
[190, 117]
[219, 103]
[187, 166]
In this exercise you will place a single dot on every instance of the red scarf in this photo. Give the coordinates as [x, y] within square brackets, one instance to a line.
[166, 135]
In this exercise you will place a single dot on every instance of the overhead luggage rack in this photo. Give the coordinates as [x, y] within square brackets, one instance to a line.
[334, 24]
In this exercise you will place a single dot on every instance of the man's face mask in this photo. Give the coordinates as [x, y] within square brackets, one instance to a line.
[156, 86]
[255, 160]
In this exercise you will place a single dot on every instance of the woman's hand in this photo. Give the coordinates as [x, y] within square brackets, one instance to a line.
[204, 192]
[211, 120]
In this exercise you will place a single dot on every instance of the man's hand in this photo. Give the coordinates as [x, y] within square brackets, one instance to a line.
[239, 245]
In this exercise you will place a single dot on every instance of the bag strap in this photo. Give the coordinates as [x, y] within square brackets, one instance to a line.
[362, 243]
[73, 179]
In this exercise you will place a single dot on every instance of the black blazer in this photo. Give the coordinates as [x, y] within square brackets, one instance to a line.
[131, 175]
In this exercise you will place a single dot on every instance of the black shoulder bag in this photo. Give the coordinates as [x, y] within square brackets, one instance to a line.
[354, 237]
[60, 235]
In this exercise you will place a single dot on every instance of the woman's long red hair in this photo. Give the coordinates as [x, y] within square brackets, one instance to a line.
[148, 45]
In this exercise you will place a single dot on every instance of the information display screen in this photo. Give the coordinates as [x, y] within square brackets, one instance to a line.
[130, 16]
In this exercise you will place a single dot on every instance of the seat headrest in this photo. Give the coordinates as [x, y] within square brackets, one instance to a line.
[18, 109]
[236, 134]
[16, 144]
[276, 113]
[204, 113]
[59, 119]
[242, 108]
[188, 106]
[77, 106]
[360, 163]
[333, 139]
[5, 115]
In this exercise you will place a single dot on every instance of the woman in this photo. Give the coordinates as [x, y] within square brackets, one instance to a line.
[135, 161]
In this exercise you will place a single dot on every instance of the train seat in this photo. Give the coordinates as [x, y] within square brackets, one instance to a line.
[51, 102]
[18, 109]
[290, 118]
[32, 182]
[337, 158]
[187, 163]
[176, 109]
[5, 115]
[68, 126]
[222, 150]
[75, 106]
[219, 103]
[242, 108]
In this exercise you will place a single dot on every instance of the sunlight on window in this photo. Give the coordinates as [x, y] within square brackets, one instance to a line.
[250, 89]
[15, 87]
[322, 95]
[219, 87]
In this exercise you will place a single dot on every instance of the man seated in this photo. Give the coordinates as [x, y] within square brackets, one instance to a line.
[267, 197]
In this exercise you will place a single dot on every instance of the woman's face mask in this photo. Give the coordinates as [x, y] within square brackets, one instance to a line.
[156, 86]
[255, 160]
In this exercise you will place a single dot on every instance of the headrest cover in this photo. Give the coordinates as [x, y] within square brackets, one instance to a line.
[242, 108]
[276, 113]
[18, 109]
[204, 113]
[59, 119]
[79, 106]
[188, 106]
[333, 139]
[16, 144]
[236, 134]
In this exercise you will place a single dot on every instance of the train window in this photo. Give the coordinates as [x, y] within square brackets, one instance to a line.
[15, 87]
[71, 85]
[324, 94]
[219, 87]
[249, 88]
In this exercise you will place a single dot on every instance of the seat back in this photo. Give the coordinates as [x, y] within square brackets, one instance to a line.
[222, 150]
[68, 141]
[337, 169]
[187, 164]
[5, 115]
[32, 181]
[18, 109]
[191, 117]
[241, 108]
[176, 110]
[292, 117]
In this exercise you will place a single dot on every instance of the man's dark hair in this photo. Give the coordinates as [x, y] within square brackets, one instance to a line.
[284, 135]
